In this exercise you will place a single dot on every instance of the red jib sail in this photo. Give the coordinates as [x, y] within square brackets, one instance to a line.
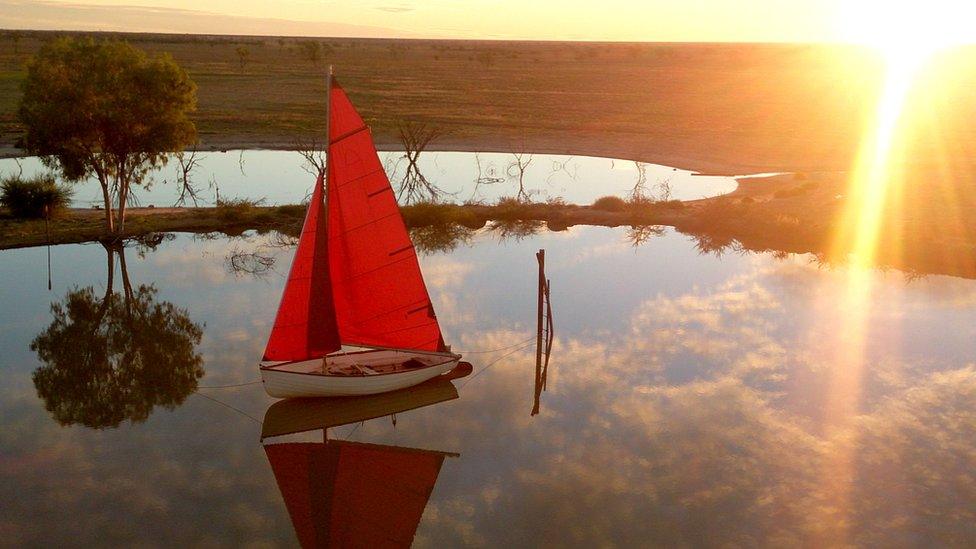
[379, 292]
[343, 494]
[305, 326]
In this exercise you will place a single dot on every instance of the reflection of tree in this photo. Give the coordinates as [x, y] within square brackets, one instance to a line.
[258, 261]
[187, 162]
[517, 169]
[716, 244]
[414, 186]
[115, 359]
[640, 234]
[515, 228]
[440, 238]
[486, 176]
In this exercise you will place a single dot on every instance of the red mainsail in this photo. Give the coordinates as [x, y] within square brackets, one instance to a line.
[346, 494]
[379, 292]
[305, 327]
[355, 279]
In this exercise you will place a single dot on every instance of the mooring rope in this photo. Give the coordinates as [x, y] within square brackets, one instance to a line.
[238, 410]
[228, 386]
[493, 362]
[496, 350]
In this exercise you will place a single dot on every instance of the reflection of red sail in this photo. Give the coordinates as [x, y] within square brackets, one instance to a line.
[305, 326]
[379, 291]
[352, 494]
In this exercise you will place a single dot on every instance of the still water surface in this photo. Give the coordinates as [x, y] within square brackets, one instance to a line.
[278, 177]
[688, 400]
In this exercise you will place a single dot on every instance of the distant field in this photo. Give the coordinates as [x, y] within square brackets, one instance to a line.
[718, 108]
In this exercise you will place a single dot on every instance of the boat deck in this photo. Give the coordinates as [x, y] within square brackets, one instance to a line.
[365, 363]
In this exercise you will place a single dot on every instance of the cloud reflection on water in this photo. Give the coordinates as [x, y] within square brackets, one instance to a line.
[696, 419]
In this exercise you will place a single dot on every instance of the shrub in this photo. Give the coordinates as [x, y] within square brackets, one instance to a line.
[291, 210]
[610, 204]
[29, 197]
[420, 214]
[237, 209]
[791, 192]
[509, 207]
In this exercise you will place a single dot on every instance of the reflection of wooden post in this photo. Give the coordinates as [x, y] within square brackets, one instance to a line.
[541, 256]
[47, 236]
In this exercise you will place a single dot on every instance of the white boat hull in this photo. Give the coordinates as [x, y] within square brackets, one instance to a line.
[378, 372]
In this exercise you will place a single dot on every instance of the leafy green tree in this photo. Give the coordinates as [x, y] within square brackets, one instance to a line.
[105, 109]
[116, 358]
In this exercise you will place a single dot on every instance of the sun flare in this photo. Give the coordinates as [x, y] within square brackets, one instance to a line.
[907, 34]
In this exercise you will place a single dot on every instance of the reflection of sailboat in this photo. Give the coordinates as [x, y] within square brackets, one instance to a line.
[297, 415]
[341, 493]
[355, 316]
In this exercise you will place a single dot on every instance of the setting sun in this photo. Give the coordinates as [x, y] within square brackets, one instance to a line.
[907, 32]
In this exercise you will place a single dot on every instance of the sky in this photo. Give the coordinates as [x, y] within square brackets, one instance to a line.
[623, 20]
[613, 20]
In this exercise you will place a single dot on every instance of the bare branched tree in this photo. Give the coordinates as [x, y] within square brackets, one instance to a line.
[313, 151]
[664, 190]
[639, 192]
[311, 50]
[215, 187]
[242, 55]
[517, 169]
[187, 162]
[414, 186]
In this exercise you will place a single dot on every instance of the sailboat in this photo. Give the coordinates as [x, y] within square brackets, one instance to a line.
[355, 317]
[352, 494]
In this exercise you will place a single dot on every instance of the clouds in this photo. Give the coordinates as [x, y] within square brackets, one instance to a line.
[697, 422]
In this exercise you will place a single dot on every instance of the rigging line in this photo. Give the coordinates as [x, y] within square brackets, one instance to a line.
[496, 350]
[238, 410]
[492, 363]
[354, 429]
[228, 386]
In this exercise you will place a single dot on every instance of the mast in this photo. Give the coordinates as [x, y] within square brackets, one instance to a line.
[328, 143]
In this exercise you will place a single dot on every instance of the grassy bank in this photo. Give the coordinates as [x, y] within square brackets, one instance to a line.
[796, 214]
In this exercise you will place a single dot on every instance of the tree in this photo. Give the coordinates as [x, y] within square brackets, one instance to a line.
[311, 50]
[242, 55]
[105, 109]
[116, 358]
[15, 38]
